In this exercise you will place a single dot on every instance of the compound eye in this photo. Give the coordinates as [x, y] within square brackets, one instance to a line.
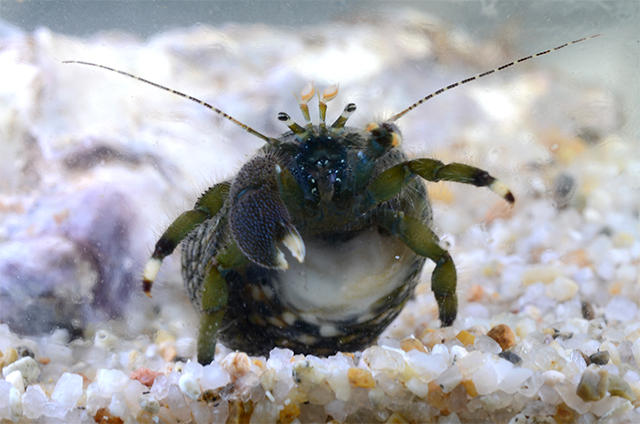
[395, 139]
[371, 127]
[394, 133]
[384, 136]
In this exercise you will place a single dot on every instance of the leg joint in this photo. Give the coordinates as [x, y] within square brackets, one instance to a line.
[482, 178]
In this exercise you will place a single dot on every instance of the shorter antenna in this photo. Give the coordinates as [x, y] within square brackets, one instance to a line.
[484, 74]
[297, 129]
[247, 128]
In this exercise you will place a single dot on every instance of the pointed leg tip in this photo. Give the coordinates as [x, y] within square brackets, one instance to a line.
[510, 198]
[146, 287]
[204, 361]
[447, 321]
[448, 312]
[502, 190]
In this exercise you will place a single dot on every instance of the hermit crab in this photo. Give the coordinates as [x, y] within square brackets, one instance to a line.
[349, 207]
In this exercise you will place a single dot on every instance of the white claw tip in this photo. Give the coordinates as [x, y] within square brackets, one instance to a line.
[281, 262]
[295, 244]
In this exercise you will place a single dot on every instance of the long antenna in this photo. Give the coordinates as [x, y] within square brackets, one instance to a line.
[247, 128]
[484, 74]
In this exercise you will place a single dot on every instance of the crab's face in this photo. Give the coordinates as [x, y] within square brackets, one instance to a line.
[321, 168]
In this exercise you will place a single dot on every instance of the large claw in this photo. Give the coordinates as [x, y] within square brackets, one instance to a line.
[259, 219]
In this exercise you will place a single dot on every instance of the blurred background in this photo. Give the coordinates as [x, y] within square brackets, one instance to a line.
[525, 25]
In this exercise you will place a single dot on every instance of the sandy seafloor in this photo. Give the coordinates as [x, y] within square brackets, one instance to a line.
[95, 166]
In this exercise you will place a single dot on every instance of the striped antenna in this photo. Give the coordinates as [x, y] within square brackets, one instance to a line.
[247, 128]
[484, 74]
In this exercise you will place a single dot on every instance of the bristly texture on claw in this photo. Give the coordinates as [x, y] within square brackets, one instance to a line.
[259, 220]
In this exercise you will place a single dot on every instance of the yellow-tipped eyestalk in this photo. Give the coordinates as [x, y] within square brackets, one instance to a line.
[327, 95]
[306, 95]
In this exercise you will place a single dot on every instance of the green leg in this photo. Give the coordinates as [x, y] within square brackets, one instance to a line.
[214, 304]
[417, 235]
[209, 325]
[212, 200]
[390, 182]
[215, 297]
[207, 206]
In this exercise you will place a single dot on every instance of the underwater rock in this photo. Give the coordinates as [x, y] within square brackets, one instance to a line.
[68, 263]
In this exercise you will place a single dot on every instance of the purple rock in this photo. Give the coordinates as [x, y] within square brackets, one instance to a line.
[69, 261]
